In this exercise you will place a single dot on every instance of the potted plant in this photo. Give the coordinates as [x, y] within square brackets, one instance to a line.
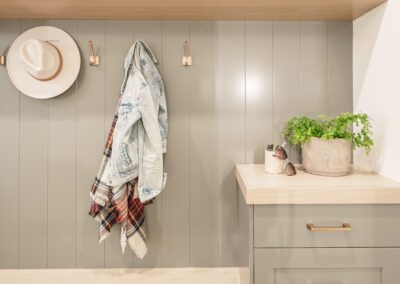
[327, 142]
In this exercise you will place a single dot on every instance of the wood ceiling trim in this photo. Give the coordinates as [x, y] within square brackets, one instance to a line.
[324, 10]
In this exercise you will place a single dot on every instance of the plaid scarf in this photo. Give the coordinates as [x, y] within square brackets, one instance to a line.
[112, 205]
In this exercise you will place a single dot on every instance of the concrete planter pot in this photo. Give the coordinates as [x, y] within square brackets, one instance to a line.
[327, 157]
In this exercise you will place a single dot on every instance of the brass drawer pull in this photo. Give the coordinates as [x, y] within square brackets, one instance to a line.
[344, 228]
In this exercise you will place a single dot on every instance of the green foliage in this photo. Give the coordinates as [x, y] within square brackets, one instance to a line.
[299, 130]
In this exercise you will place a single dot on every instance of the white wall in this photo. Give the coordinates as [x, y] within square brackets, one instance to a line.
[376, 63]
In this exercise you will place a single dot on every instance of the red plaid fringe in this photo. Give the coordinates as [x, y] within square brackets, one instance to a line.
[118, 205]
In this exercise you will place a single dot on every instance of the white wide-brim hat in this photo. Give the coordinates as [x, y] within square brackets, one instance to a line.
[43, 62]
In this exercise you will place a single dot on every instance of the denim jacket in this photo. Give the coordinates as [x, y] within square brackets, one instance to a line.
[140, 136]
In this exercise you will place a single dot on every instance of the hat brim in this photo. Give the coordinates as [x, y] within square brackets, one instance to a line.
[32, 87]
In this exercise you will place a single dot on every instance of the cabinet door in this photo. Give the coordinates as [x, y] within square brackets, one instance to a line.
[327, 266]
[284, 226]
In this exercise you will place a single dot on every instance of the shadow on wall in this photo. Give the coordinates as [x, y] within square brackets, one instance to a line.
[376, 65]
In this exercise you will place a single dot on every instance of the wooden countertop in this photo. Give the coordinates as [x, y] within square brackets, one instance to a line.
[359, 187]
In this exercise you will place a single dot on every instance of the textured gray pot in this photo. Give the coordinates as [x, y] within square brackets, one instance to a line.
[327, 157]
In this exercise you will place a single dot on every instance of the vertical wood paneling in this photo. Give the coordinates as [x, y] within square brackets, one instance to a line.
[150, 32]
[175, 198]
[203, 146]
[231, 137]
[33, 178]
[62, 172]
[90, 140]
[33, 183]
[286, 77]
[314, 68]
[246, 80]
[340, 72]
[258, 89]
[119, 38]
[9, 151]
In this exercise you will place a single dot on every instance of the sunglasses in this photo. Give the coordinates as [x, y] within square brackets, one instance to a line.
[281, 154]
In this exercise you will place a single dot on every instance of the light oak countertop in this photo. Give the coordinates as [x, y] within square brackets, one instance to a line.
[359, 187]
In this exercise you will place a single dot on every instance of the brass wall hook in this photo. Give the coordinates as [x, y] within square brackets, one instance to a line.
[94, 60]
[187, 59]
[3, 58]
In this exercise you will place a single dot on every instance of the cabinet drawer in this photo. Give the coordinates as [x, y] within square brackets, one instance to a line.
[286, 225]
[326, 265]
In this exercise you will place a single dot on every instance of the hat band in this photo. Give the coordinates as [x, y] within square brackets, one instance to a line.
[59, 66]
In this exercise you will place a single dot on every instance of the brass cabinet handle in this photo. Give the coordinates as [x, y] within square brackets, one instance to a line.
[344, 228]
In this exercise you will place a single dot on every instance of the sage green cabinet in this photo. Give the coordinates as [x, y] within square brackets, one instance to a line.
[283, 250]
[285, 225]
[327, 266]
[309, 229]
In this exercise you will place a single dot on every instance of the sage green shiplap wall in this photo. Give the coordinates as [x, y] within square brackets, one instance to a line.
[246, 80]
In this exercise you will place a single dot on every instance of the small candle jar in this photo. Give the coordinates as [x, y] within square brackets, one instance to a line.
[272, 165]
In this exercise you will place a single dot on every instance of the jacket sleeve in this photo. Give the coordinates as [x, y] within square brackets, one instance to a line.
[163, 118]
[151, 174]
[157, 87]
